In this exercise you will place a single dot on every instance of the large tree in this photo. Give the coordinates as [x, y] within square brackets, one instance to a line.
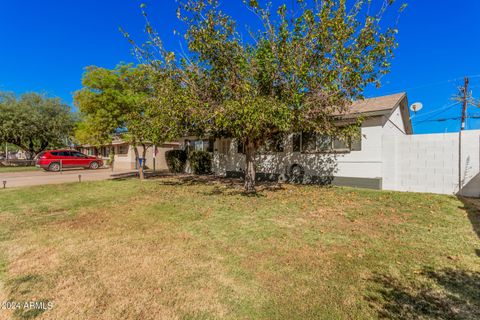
[298, 72]
[34, 122]
[135, 103]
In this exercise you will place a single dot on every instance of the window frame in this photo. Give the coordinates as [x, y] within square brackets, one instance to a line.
[207, 145]
[119, 148]
[275, 144]
[240, 147]
[298, 138]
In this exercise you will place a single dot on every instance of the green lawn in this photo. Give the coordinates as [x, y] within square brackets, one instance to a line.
[176, 249]
[17, 169]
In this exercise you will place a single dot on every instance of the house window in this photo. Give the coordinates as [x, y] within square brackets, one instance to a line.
[105, 151]
[122, 149]
[199, 145]
[208, 145]
[240, 147]
[297, 142]
[324, 143]
[311, 142]
[356, 143]
[308, 142]
[340, 144]
[273, 144]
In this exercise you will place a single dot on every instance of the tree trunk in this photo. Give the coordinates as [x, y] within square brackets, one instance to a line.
[30, 154]
[42, 148]
[250, 169]
[137, 159]
[112, 157]
[30, 151]
[144, 155]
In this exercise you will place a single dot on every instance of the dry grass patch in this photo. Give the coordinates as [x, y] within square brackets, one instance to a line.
[188, 249]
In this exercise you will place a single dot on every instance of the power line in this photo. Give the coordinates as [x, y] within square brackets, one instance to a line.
[444, 108]
[433, 84]
[448, 119]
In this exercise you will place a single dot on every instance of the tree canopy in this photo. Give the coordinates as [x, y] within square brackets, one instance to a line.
[299, 72]
[34, 122]
[136, 103]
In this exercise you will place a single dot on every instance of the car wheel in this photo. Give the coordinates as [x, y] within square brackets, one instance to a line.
[55, 167]
[94, 165]
[296, 173]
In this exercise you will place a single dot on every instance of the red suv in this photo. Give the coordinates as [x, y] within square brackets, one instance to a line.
[56, 160]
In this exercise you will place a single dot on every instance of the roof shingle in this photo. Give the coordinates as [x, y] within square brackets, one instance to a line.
[382, 103]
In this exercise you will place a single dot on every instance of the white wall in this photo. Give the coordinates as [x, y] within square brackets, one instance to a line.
[429, 163]
[127, 161]
[392, 130]
[366, 163]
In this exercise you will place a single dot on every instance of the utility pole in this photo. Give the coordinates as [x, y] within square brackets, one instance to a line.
[462, 127]
[465, 103]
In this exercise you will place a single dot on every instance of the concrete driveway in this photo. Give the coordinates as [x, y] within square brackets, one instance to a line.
[32, 178]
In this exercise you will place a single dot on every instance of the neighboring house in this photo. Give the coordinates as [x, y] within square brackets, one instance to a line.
[125, 158]
[16, 155]
[387, 156]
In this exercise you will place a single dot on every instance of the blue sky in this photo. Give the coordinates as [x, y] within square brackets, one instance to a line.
[45, 46]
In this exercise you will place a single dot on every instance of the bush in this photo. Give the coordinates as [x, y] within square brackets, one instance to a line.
[111, 159]
[200, 162]
[176, 160]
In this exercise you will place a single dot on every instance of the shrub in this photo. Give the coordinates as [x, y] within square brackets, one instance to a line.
[176, 160]
[200, 162]
[111, 159]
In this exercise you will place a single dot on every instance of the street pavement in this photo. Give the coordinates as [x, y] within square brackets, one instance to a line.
[40, 177]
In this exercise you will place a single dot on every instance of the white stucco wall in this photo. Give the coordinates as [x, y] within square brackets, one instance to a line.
[127, 161]
[392, 130]
[429, 163]
[366, 163]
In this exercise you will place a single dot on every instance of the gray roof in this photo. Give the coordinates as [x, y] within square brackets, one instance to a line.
[383, 103]
[382, 106]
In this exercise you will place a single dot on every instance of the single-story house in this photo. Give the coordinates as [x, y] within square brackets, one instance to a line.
[387, 155]
[125, 158]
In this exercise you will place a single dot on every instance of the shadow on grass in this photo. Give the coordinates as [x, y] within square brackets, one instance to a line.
[221, 186]
[472, 207]
[450, 294]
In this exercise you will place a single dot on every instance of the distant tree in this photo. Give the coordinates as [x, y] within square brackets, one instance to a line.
[87, 132]
[298, 73]
[128, 101]
[34, 122]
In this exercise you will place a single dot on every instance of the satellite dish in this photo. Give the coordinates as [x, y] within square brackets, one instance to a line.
[417, 106]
